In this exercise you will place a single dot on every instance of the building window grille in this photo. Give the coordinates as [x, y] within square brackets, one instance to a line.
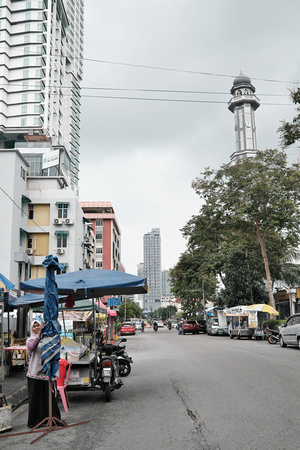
[62, 210]
[62, 239]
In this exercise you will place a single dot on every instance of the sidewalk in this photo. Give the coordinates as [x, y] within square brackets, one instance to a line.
[14, 387]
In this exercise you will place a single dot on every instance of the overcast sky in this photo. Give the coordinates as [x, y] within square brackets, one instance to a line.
[142, 153]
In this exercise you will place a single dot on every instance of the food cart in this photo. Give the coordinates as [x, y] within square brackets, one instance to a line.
[242, 322]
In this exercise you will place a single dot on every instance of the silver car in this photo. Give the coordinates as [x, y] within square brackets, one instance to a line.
[289, 333]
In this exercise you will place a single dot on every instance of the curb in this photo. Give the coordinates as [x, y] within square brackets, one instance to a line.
[17, 398]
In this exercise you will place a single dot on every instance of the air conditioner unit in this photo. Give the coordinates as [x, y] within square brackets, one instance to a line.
[69, 221]
[60, 251]
[57, 222]
[29, 251]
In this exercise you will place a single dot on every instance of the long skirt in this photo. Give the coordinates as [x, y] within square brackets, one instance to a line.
[38, 402]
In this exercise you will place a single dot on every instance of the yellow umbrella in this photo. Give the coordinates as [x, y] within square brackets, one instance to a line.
[264, 308]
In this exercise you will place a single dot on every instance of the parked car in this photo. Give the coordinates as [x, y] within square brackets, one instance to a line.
[202, 325]
[127, 328]
[289, 333]
[190, 326]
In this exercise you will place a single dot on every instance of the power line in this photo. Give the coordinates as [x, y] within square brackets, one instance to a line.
[145, 66]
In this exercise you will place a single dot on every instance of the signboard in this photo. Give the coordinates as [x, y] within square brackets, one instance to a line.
[50, 159]
[113, 301]
[253, 319]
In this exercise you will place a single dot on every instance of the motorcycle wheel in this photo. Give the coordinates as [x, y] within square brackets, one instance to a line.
[107, 392]
[272, 339]
[124, 368]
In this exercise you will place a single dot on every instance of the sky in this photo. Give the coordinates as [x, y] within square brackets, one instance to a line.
[154, 115]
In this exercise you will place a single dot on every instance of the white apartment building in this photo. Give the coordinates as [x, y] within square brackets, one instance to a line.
[40, 216]
[41, 50]
[152, 269]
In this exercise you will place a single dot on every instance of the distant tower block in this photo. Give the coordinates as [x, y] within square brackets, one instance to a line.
[243, 104]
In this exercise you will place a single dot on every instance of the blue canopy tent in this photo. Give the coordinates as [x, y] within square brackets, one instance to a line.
[91, 283]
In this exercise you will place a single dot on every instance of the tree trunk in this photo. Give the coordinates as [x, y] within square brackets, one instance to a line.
[266, 262]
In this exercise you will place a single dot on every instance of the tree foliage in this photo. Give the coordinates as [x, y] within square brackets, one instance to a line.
[131, 309]
[290, 131]
[248, 222]
[257, 198]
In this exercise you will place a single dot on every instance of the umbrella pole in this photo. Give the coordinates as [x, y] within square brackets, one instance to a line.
[63, 317]
[94, 338]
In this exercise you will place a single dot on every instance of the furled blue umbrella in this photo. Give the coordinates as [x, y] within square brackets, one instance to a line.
[51, 329]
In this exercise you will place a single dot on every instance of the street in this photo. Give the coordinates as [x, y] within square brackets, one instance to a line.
[186, 392]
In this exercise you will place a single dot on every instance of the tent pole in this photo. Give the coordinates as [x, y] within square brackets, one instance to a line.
[62, 311]
[95, 349]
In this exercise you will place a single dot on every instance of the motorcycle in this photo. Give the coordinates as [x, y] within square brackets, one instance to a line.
[108, 370]
[273, 336]
[155, 327]
[170, 326]
[124, 359]
[143, 327]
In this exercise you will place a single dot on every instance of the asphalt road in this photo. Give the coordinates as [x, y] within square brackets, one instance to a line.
[186, 392]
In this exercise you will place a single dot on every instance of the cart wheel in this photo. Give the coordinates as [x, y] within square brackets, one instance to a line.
[107, 392]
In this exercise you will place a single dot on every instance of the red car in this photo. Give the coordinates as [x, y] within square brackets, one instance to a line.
[190, 326]
[127, 328]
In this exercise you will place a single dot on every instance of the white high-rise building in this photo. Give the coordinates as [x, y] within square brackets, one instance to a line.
[152, 269]
[41, 51]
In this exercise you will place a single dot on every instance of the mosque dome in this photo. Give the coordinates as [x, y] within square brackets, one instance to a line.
[242, 80]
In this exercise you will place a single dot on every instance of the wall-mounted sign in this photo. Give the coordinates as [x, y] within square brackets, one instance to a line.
[51, 159]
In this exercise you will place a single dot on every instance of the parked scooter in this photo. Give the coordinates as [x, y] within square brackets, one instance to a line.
[273, 337]
[108, 370]
[124, 359]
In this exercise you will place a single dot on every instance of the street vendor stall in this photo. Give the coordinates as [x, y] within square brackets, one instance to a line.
[84, 285]
[244, 320]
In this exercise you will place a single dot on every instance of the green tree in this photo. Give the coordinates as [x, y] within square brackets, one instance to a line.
[257, 198]
[132, 310]
[290, 131]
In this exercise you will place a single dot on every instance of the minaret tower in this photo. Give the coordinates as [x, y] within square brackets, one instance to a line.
[242, 105]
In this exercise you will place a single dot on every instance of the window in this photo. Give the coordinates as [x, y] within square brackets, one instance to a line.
[62, 210]
[24, 97]
[27, 38]
[99, 250]
[99, 264]
[36, 121]
[23, 173]
[27, 16]
[24, 109]
[27, 27]
[99, 236]
[30, 213]
[29, 241]
[99, 223]
[26, 62]
[25, 73]
[23, 122]
[62, 239]
[36, 109]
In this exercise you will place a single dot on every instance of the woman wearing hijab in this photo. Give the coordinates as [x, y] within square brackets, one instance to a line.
[38, 382]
